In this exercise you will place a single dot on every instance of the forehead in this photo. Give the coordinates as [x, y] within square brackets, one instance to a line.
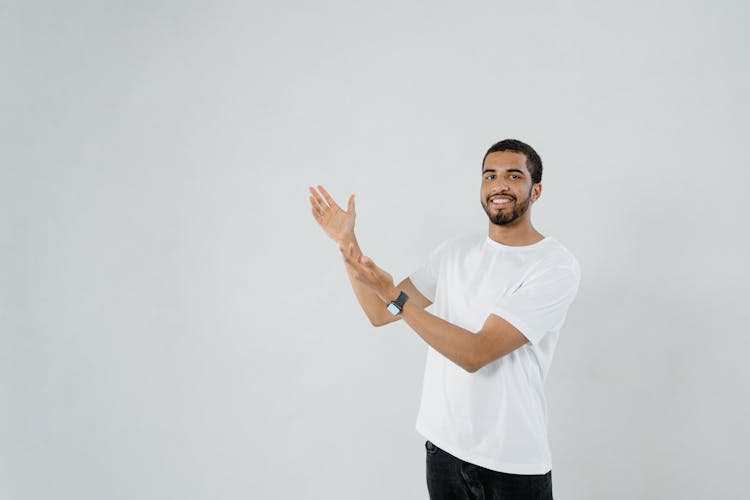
[503, 160]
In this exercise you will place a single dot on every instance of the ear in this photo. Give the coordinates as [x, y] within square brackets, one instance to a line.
[536, 191]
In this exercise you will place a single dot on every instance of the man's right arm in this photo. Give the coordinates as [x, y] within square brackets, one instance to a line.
[339, 226]
[371, 304]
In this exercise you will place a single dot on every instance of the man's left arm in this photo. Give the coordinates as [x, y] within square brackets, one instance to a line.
[469, 350]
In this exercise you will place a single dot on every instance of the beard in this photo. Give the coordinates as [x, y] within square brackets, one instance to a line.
[503, 216]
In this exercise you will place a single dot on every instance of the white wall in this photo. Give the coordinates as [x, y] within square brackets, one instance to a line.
[174, 325]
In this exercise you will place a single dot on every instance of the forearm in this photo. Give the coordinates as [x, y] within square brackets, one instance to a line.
[371, 304]
[375, 288]
[453, 342]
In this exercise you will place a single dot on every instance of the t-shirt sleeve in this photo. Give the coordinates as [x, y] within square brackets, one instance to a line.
[541, 303]
[425, 278]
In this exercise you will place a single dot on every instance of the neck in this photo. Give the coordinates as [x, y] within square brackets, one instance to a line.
[518, 233]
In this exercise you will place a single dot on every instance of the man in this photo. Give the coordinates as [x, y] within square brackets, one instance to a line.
[500, 301]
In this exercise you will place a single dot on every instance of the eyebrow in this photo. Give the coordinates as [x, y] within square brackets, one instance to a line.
[508, 170]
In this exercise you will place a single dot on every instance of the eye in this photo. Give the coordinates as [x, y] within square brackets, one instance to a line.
[514, 176]
[489, 175]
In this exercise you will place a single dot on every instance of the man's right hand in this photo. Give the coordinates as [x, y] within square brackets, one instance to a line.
[338, 224]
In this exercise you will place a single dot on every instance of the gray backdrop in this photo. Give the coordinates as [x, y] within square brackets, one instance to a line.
[174, 324]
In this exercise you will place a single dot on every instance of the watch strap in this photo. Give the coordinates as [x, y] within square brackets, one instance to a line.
[396, 306]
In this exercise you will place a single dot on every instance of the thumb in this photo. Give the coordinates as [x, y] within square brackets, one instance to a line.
[351, 205]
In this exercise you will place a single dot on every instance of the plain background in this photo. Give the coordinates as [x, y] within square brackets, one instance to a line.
[175, 325]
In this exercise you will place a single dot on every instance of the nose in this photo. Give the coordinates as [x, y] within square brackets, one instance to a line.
[500, 185]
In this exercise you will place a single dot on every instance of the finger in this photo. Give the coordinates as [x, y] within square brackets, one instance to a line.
[354, 262]
[323, 205]
[368, 262]
[316, 208]
[348, 252]
[320, 202]
[350, 208]
[327, 196]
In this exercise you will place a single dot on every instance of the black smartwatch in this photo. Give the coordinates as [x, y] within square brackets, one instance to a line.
[396, 306]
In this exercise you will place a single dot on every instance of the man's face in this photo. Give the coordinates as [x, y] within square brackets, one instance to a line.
[507, 181]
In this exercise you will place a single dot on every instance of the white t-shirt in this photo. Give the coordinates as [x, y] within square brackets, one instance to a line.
[495, 417]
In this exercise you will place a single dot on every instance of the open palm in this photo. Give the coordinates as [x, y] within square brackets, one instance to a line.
[337, 223]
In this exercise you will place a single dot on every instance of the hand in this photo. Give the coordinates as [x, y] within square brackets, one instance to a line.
[337, 224]
[365, 271]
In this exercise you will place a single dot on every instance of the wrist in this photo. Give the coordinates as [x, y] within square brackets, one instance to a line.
[350, 241]
[396, 306]
[348, 238]
[391, 294]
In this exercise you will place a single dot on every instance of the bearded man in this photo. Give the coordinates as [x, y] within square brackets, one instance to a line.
[498, 303]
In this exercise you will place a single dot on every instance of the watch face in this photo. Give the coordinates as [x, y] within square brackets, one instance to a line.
[393, 308]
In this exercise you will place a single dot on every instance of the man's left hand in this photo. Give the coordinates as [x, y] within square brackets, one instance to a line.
[370, 274]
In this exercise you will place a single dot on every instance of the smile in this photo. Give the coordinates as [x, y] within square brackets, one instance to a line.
[501, 202]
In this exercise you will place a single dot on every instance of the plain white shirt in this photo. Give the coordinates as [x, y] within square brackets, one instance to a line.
[495, 417]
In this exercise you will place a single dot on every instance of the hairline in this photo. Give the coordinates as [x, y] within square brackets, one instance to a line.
[525, 160]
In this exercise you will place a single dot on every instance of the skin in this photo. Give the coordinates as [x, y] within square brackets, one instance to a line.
[504, 173]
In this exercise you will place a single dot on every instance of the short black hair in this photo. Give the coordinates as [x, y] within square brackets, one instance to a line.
[533, 161]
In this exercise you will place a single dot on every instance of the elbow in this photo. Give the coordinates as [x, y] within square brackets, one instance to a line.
[374, 322]
[477, 356]
[473, 365]
[471, 368]
[380, 320]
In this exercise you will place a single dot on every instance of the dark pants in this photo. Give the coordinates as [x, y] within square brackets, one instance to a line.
[450, 478]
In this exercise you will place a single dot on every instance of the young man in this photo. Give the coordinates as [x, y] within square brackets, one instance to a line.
[500, 300]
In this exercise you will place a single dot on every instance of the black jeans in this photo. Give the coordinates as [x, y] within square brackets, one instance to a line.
[450, 478]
